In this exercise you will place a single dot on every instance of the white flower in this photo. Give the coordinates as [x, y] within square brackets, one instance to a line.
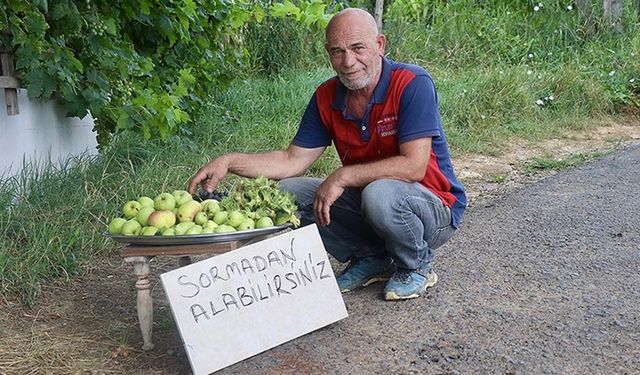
[539, 76]
[539, 102]
[531, 55]
[611, 73]
[550, 97]
[540, 5]
[483, 117]
[529, 72]
[632, 80]
[536, 8]
[569, 7]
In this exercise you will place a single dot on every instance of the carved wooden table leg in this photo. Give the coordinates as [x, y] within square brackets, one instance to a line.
[139, 256]
[145, 304]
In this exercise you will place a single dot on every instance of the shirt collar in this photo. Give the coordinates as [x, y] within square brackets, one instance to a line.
[379, 94]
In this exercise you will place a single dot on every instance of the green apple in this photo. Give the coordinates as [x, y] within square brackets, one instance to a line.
[143, 215]
[164, 201]
[182, 197]
[146, 201]
[162, 219]
[220, 217]
[149, 231]
[181, 228]
[210, 207]
[188, 211]
[210, 224]
[130, 209]
[196, 229]
[131, 227]
[235, 218]
[246, 224]
[224, 228]
[168, 232]
[201, 218]
[115, 227]
[264, 222]
[206, 231]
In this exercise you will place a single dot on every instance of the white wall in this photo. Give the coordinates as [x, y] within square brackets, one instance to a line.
[39, 132]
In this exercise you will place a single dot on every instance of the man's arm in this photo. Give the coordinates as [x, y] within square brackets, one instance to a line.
[409, 165]
[277, 165]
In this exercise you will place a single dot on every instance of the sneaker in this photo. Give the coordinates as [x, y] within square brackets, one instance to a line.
[406, 284]
[364, 271]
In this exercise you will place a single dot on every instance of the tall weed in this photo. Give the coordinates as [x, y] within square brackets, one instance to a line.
[276, 45]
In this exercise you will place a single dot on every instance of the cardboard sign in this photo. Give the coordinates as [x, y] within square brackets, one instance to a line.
[238, 304]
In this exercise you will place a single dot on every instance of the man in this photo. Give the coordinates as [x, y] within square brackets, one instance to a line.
[395, 199]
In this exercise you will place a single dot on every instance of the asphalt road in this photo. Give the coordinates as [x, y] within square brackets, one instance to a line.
[543, 280]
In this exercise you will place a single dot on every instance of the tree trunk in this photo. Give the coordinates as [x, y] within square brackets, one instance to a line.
[584, 9]
[378, 14]
[613, 14]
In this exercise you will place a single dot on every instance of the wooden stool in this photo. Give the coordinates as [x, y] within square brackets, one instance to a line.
[140, 256]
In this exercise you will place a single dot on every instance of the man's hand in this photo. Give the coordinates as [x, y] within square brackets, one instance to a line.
[328, 192]
[275, 165]
[209, 176]
[410, 165]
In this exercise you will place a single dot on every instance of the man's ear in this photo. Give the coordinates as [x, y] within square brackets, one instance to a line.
[381, 42]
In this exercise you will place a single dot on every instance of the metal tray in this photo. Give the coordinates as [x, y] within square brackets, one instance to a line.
[192, 239]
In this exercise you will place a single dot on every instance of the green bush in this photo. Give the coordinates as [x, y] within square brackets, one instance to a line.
[468, 32]
[141, 65]
[516, 68]
[278, 44]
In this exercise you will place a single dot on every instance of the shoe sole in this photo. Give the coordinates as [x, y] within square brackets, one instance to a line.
[392, 296]
[366, 283]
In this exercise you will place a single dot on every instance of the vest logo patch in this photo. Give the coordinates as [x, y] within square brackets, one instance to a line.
[386, 126]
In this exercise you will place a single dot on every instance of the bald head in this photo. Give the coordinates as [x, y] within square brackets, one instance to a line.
[351, 18]
[355, 49]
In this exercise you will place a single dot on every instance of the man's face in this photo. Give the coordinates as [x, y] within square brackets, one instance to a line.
[355, 53]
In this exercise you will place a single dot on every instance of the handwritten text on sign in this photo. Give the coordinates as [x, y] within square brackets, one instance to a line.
[243, 302]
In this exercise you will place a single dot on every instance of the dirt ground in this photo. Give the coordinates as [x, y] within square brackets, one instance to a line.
[88, 325]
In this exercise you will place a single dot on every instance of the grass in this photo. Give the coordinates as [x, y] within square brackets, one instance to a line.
[47, 353]
[497, 179]
[550, 162]
[503, 73]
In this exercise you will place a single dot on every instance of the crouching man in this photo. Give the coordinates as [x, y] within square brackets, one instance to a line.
[395, 199]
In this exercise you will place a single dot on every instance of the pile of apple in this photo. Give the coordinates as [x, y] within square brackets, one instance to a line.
[177, 213]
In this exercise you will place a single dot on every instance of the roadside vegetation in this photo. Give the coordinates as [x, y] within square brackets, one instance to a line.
[506, 72]
[550, 162]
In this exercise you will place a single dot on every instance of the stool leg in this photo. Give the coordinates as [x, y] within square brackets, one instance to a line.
[144, 302]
